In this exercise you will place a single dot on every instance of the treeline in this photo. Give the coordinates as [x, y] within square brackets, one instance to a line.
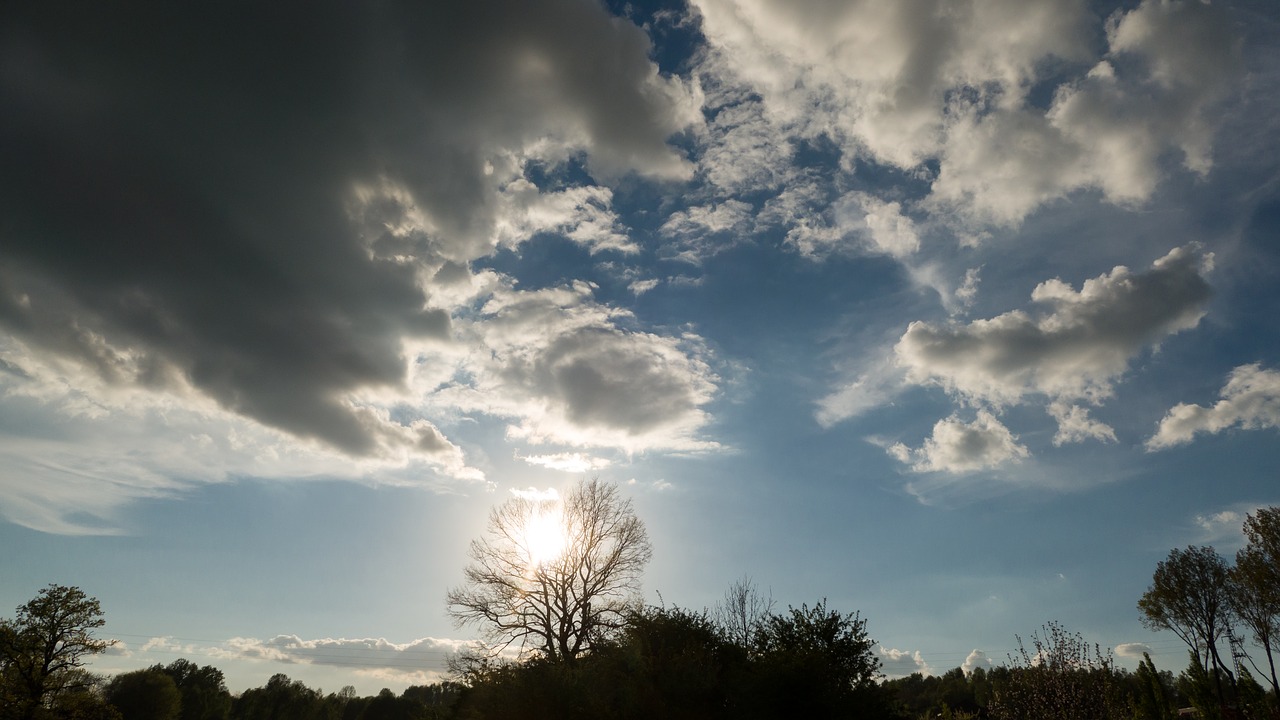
[668, 662]
[590, 653]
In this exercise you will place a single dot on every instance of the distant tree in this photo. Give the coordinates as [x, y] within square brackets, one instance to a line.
[741, 611]
[43, 647]
[204, 689]
[1189, 595]
[1060, 677]
[554, 603]
[1255, 583]
[280, 699]
[145, 695]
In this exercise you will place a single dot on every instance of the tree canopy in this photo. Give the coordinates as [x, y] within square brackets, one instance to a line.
[43, 647]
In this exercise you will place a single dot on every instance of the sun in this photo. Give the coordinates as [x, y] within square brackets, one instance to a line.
[544, 536]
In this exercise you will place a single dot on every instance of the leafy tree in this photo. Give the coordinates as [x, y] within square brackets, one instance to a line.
[43, 648]
[204, 689]
[280, 699]
[1255, 583]
[817, 662]
[554, 603]
[145, 695]
[1189, 595]
[1151, 701]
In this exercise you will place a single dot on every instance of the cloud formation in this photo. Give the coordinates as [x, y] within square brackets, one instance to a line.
[901, 663]
[1075, 350]
[269, 240]
[903, 84]
[958, 447]
[1250, 401]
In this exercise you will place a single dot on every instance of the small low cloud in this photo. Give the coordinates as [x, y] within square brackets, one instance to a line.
[976, 659]
[1250, 401]
[957, 447]
[900, 663]
[1132, 650]
[567, 462]
[533, 493]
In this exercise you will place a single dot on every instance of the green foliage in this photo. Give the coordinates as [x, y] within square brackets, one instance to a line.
[145, 695]
[818, 663]
[1189, 595]
[203, 689]
[1255, 583]
[43, 648]
[1199, 687]
[1151, 699]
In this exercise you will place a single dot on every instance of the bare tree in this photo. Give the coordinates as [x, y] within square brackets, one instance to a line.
[741, 611]
[554, 596]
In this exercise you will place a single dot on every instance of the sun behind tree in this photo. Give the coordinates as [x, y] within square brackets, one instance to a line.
[552, 577]
[545, 535]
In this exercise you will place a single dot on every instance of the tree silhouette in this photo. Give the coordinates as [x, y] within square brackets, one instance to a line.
[554, 603]
[42, 648]
[1189, 595]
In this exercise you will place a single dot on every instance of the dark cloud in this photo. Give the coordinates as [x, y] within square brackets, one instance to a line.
[182, 186]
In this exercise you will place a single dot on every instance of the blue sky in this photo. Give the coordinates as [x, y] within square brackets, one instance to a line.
[960, 314]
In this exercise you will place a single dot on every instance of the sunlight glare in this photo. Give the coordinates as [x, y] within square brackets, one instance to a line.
[544, 537]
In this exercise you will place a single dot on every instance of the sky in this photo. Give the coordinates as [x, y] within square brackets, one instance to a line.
[957, 314]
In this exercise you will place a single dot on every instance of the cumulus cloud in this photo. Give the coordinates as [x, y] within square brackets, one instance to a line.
[1075, 425]
[260, 250]
[1250, 401]
[958, 447]
[976, 659]
[1075, 350]
[190, 268]
[900, 663]
[566, 371]
[902, 84]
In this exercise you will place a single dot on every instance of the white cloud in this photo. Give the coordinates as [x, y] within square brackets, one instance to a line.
[640, 287]
[879, 382]
[903, 83]
[1250, 400]
[583, 214]
[976, 659]
[896, 663]
[533, 493]
[563, 368]
[1073, 351]
[856, 221]
[567, 462]
[1132, 650]
[704, 230]
[1075, 425]
[958, 447]
[93, 447]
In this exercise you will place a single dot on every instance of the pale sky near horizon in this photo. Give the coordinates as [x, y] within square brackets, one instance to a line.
[957, 314]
